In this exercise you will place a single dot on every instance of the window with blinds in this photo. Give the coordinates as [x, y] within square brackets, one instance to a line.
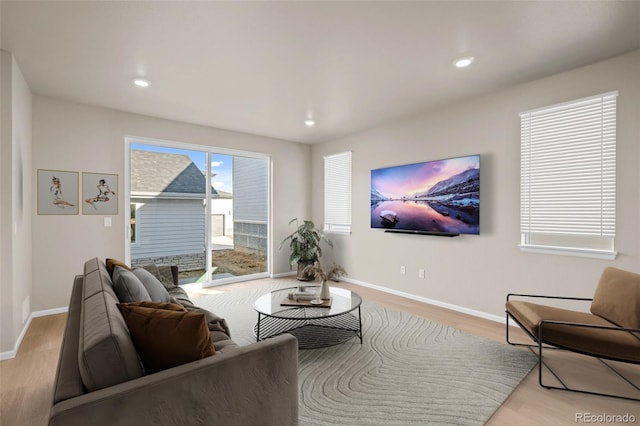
[568, 178]
[337, 192]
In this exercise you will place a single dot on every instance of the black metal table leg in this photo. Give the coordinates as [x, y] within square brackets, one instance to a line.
[258, 327]
[360, 323]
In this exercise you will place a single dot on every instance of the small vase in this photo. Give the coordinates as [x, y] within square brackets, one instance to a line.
[324, 290]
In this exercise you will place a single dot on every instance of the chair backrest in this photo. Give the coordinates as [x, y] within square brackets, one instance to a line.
[617, 298]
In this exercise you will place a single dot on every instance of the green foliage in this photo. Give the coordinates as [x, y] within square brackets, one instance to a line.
[304, 243]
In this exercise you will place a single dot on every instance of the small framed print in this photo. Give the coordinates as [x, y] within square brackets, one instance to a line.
[99, 193]
[57, 192]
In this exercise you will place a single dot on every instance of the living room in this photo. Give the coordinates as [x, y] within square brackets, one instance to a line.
[470, 274]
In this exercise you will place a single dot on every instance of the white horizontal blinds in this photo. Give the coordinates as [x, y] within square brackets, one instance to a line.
[337, 192]
[568, 168]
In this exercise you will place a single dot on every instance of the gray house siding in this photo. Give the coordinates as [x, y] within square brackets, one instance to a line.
[250, 190]
[169, 231]
[250, 204]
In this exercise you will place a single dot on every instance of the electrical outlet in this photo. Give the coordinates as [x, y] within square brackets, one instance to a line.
[420, 273]
[403, 270]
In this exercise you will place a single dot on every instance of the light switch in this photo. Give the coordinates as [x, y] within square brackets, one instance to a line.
[107, 221]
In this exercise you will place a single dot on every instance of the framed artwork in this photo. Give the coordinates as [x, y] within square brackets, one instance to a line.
[57, 192]
[99, 193]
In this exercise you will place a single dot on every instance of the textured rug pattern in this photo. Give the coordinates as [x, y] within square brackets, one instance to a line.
[408, 370]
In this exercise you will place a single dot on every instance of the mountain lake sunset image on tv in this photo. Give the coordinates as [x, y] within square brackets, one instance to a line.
[434, 197]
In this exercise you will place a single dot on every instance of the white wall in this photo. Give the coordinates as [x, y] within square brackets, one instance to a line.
[476, 272]
[70, 136]
[16, 187]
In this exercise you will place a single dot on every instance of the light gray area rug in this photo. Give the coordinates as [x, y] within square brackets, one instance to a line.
[408, 370]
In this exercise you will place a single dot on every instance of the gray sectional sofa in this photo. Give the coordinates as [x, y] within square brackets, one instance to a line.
[101, 381]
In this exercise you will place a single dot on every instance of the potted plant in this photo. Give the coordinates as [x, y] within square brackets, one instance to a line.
[304, 243]
[333, 273]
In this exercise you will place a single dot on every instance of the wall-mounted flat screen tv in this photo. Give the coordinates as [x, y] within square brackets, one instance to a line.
[434, 197]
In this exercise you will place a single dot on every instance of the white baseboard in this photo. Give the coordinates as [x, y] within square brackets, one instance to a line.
[46, 312]
[12, 353]
[445, 305]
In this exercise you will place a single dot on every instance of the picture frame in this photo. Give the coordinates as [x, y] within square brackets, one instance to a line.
[99, 193]
[57, 192]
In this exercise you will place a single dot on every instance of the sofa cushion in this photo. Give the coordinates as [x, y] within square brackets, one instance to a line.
[96, 281]
[128, 287]
[106, 354]
[214, 322]
[222, 342]
[157, 292]
[112, 263]
[166, 335]
[179, 294]
[617, 298]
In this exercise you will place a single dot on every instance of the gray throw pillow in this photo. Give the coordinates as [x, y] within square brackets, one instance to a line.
[128, 287]
[154, 287]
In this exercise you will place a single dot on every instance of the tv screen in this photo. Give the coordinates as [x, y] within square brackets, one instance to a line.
[437, 197]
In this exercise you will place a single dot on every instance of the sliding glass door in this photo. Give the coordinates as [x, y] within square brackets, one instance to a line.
[202, 210]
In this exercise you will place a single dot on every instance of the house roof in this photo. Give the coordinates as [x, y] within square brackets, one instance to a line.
[165, 173]
[224, 194]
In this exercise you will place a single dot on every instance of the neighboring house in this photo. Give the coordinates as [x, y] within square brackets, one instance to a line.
[167, 208]
[222, 215]
[250, 204]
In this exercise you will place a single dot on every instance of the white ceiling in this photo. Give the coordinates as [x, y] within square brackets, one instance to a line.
[261, 67]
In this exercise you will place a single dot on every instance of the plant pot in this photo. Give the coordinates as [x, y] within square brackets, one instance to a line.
[304, 276]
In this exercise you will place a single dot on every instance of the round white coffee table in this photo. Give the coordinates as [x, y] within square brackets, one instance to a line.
[313, 326]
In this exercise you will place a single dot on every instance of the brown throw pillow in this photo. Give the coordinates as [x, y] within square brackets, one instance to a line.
[112, 263]
[166, 335]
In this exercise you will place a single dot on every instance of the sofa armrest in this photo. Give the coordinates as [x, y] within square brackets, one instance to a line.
[68, 383]
[251, 385]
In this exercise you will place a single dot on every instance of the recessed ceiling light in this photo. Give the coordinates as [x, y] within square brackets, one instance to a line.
[463, 62]
[309, 122]
[141, 82]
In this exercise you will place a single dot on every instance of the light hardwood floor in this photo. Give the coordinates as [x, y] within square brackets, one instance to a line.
[26, 381]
